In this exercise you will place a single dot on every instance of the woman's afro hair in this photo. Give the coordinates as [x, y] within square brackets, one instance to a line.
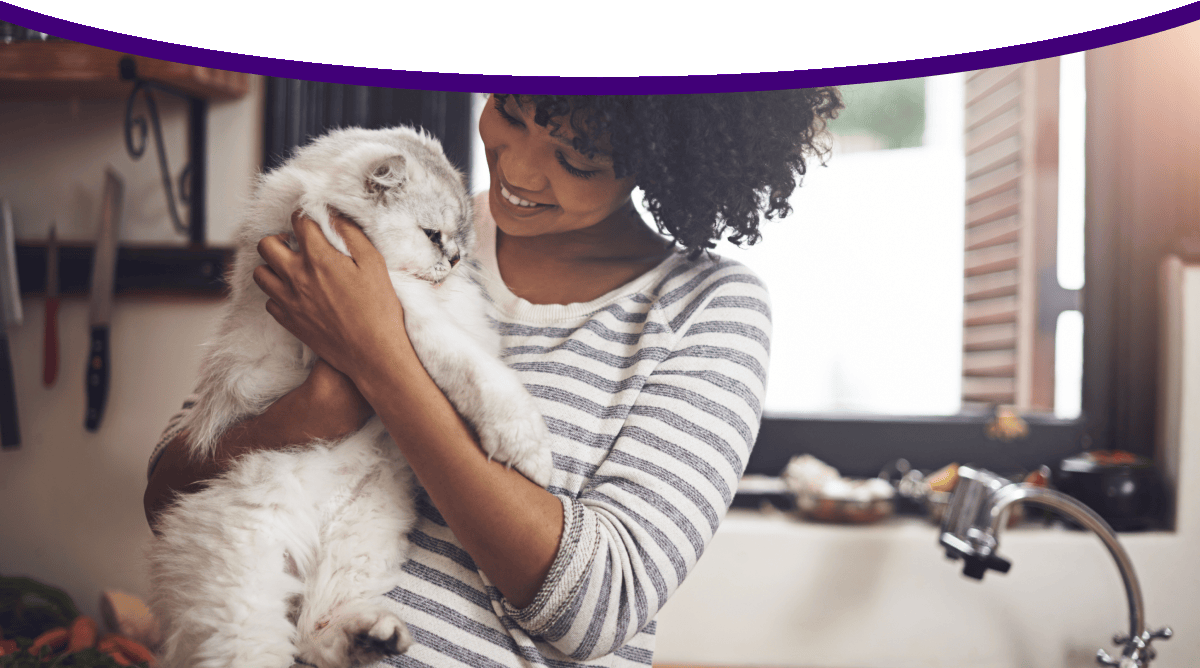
[710, 165]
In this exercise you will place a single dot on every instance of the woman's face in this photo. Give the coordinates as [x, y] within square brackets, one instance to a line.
[539, 183]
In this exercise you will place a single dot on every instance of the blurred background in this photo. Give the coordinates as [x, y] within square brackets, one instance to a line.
[932, 273]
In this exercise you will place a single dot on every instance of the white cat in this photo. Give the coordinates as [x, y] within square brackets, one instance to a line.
[288, 555]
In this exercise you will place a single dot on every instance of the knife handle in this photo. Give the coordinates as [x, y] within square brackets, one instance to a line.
[97, 377]
[10, 434]
[50, 344]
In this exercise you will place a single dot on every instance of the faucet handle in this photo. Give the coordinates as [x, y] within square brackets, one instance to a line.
[976, 566]
[1138, 652]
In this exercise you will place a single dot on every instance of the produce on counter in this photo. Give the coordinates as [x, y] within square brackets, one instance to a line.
[823, 494]
[40, 627]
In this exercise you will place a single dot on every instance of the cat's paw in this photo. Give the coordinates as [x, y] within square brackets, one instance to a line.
[375, 638]
[537, 465]
[354, 637]
[522, 443]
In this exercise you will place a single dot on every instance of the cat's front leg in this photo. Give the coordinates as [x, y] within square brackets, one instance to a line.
[484, 391]
[345, 621]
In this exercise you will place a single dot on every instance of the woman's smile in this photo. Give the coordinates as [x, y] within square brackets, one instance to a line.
[539, 180]
[517, 200]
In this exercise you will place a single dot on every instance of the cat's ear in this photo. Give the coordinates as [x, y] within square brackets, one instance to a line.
[386, 176]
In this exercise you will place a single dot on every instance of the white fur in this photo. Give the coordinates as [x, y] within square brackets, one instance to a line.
[289, 553]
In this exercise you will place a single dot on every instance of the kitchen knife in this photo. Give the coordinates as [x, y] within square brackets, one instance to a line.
[10, 316]
[104, 265]
[50, 341]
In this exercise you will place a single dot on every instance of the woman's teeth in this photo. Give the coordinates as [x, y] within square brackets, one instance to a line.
[514, 199]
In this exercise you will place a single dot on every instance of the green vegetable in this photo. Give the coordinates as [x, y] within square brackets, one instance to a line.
[28, 608]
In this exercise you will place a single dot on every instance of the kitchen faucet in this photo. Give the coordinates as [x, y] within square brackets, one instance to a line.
[970, 531]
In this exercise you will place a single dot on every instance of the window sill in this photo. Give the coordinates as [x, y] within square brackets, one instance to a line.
[900, 527]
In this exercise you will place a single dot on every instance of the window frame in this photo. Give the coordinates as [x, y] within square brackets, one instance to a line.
[1120, 369]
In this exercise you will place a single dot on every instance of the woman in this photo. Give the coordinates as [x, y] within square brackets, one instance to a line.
[646, 354]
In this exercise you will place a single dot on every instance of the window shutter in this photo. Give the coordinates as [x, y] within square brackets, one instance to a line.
[1011, 144]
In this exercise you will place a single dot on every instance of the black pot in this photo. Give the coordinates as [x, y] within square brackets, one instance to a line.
[1123, 488]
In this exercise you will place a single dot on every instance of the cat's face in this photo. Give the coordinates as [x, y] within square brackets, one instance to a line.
[422, 220]
[410, 202]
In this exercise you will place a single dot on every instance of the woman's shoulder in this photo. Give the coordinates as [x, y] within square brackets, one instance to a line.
[707, 274]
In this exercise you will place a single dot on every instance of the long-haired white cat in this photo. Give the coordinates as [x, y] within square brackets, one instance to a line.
[288, 554]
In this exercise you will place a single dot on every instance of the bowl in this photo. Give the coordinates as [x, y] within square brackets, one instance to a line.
[843, 511]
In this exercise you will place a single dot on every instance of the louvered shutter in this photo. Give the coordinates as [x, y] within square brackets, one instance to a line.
[1011, 143]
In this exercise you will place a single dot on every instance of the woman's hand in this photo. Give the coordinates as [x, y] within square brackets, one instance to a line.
[344, 308]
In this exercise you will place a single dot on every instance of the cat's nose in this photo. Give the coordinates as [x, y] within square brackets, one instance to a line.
[454, 260]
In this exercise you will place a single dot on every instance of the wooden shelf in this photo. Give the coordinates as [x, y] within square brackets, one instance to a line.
[62, 70]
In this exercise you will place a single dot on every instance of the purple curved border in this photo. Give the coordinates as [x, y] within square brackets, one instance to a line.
[707, 83]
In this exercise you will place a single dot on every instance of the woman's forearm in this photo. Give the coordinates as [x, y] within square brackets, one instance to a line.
[326, 406]
[510, 526]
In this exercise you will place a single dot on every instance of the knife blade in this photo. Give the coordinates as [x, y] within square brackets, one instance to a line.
[104, 265]
[11, 315]
[50, 340]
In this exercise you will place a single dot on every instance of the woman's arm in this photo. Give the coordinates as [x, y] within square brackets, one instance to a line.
[650, 499]
[347, 311]
[509, 525]
[326, 406]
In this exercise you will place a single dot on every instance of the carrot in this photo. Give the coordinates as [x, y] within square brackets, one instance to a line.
[109, 647]
[8, 647]
[55, 639]
[134, 650]
[83, 634]
[119, 656]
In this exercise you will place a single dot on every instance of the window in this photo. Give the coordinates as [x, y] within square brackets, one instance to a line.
[914, 312]
[1141, 204]
[866, 274]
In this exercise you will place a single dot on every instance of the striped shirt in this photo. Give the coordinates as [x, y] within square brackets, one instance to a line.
[653, 395]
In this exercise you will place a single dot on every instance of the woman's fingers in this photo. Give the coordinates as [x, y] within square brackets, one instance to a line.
[313, 243]
[276, 253]
[360, 247]
[303, 227]
[270, 282]
[277, 312]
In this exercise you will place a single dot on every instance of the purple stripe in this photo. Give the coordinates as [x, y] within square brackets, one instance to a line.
[710, 83]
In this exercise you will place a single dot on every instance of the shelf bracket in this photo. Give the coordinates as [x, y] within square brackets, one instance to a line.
[191, 189]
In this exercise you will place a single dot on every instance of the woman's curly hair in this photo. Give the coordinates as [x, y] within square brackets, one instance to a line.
[710, 165]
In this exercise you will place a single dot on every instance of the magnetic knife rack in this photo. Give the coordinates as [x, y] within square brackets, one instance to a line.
[149, 270]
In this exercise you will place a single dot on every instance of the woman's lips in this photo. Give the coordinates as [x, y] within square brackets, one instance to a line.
[518, 201]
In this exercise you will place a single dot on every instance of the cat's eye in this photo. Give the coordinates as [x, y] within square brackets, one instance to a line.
[434, 236]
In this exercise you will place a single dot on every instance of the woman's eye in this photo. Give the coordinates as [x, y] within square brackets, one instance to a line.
[434, 236]
[575, 171]
[513, 121]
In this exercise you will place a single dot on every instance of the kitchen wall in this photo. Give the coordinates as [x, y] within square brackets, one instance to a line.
[71, 500]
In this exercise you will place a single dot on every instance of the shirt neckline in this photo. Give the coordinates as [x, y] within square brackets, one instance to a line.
[517, 307]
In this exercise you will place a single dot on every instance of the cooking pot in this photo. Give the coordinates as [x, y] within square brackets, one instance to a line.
[1123, 488]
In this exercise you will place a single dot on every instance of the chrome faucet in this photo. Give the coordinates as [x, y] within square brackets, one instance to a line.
[970, 529]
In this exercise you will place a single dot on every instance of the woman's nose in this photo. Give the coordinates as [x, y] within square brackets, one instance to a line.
[520, 168]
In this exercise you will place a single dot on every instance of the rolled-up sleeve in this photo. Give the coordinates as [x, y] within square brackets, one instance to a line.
[174, 426]
[652, 505]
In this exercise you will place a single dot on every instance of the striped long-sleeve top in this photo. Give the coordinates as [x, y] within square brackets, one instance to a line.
[652, 394]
